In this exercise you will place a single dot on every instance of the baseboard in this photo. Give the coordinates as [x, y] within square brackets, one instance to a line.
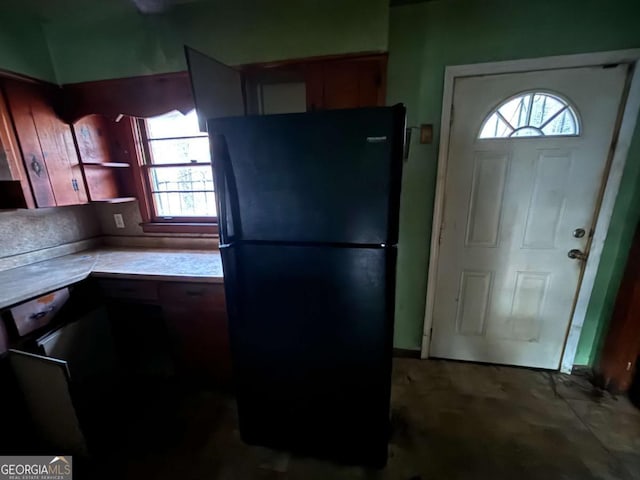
[406, 353]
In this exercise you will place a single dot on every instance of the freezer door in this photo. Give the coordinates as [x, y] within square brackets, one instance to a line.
[311, 335]
[331, 176]
[216, 87]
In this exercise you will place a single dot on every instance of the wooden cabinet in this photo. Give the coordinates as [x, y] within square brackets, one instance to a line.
[196, 318]
[46, 144]
[348, 83]
[327, 83]
[183, 321]
[620, 356]
[105, 157]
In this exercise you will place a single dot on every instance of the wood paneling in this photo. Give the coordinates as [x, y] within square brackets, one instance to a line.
[619, 357]
[145, 96]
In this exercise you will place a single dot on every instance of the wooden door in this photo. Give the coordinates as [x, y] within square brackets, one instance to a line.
[47, 145]
[197, 321]
[92, 135]
[346, 83]
[621, 352]
[58, 150]
[19, 97]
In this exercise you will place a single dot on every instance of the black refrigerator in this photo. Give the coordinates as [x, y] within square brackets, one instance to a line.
[308, 213]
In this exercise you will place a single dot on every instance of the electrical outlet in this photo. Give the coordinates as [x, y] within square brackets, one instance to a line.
[117, 217]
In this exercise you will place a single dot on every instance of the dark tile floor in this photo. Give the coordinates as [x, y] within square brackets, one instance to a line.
[451, 421]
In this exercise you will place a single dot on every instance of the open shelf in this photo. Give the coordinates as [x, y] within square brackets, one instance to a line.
[107, 164]
[115, 200]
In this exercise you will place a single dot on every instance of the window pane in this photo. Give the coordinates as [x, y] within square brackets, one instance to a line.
[515, 111]
[495, 128]
[185, 204]
[188, 150]
[174, 124]
[182, 178]
[544, 107]
[563, 124]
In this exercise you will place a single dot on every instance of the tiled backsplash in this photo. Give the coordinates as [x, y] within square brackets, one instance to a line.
[24, 231]
[28, 236]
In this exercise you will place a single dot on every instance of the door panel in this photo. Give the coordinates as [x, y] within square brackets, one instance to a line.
[505, 286]
[217, 88]
[329, 176]
[311, 331]
[59, 154]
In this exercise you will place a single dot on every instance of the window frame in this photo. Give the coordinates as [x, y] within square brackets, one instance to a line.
[151, 221]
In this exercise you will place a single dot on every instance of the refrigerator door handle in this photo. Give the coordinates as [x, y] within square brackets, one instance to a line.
[226, 190]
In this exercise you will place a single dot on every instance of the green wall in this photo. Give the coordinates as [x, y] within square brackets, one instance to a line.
[423, 39]
[23, 48]
[125, 43]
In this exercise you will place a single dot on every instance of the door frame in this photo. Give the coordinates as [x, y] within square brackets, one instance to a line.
[608, 193]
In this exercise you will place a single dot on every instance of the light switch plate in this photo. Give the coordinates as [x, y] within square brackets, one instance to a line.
[117, 217]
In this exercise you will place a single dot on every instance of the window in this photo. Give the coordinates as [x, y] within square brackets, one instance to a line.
[531, 114]
[177, 174]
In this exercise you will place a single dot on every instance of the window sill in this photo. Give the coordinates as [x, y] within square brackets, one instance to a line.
[174, 227]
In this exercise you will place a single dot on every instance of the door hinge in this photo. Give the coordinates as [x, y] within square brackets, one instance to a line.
[440, 233]
[74, 185]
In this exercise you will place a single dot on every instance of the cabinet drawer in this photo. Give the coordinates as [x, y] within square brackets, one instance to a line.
[194, 294]
[37, 313]
[130, 289]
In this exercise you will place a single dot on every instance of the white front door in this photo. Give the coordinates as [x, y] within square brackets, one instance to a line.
[527, 156]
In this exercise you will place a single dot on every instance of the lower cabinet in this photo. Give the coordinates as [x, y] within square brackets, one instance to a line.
[170, 328]
[196, 319]
[109, 361]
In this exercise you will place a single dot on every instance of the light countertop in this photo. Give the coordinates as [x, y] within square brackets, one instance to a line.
[29, 281]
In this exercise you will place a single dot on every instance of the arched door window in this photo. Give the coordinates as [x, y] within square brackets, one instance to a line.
[531, 114]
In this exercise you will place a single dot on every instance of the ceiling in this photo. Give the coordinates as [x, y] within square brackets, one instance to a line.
[54, 10]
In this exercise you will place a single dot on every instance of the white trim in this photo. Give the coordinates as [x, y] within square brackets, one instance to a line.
[612, 184]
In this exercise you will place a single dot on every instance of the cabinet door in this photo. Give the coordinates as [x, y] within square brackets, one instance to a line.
[196, 318]
[349, 83]
[92, 134]
[58, 151]
[47, 145]
[19, 97]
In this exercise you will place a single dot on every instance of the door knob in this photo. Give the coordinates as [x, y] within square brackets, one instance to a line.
[577, 254]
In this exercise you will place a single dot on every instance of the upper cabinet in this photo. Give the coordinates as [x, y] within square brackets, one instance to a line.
[105, 155]
[46, 162]
[349, 83]
[46, 143]
[316, 84]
